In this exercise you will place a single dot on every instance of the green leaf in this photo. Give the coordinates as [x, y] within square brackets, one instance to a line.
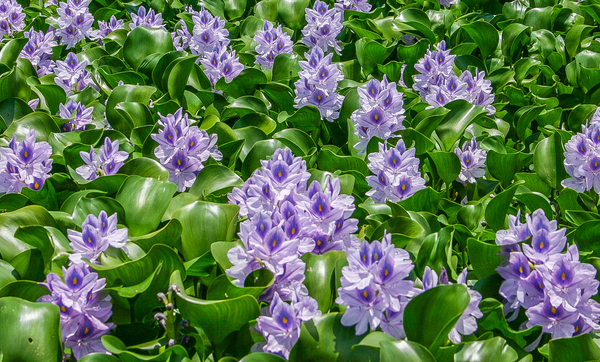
[502, 166]
[11, 50]
[307, 118]
[493, 319]
[145, 167]
[447, 165]
[548, 161]
[34, 333]
[218, 224]
[291, 12]
[429, 317]
[494, 349]
[41, 122]
[98, 357]
[586, 236]
[496, 210]
[404, 351]
[514, 37]
[13, 108]
[215, 180]
[484, 35]
[138, 195]
[461, 115]
[320, 272]
[117, 347]
[331, 162]
[580, 348]
[126, 93]
[254, 285]
[217, 318]
[298, 141]
[143, 41]
[261, 151]
[10, 246]
[483, 257]
[169, 234]
[262, 357]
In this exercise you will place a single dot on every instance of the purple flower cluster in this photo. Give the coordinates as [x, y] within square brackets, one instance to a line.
[75, 22]
[76, 115]
[221, 63]
[280, 324]
[107, 27]
[554, 287]
[270, 43]
[84, 305]
[24, 163]
[381, 113]
[322, 28]
[108, 161]
[438, 85]
[149, 19]
[472, 162]
[208, 34]
[447, 3]
[183, 149]
[397, 175]
[38, 50]
[374, 287]
[97, 234]
[72, 76]
[11, 17]
[362, 6]
[318, 83]
[582, 158]
[467, 323]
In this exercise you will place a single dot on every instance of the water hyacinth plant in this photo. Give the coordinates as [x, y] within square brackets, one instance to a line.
[351, 180]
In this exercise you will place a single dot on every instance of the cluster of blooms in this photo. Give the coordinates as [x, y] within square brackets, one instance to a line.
[107, 27]
[554, 288]
[38, 50]
[381, 112]
[72, 76]
[374, 287]
[287, 219]
[108, 161]
[183, 149]
[24, 163]
[438, 85]
[447, 3]
[375, 290]
[467, 323]
[97, 234]
[149, 19]
[582, 158]
[280, 324]
[84, 308]
[317, 85]
[75, 22]
[472, 162]
[362, 6]
[11, 17]
[270, 43]
[221, 63]
[397, 175]
[76, 115]
[322, 28]
[208, 33]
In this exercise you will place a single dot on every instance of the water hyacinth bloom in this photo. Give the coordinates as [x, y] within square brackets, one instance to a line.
[582, 158]
[322, 28]
[472, 162]
[107, 27]
[24, 163]
[11, 17]
[467, 323]
[108, 161]
[381, 113]
[397, 175]
[84, 308]
[75, 22]
[554, 287]
[38, 50]
[97, 234]
[76, 115]
[281, 326]
[72, 76]
[438, 85]
[183, 149]
[221, 63]
[374, 287]
[318, 83]
[208, 33]
[270, 43]
[447, 3]
[149, 19]
[362, 6]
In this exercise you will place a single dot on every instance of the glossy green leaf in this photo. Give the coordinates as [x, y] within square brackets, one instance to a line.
[404, 351]
[143, 41]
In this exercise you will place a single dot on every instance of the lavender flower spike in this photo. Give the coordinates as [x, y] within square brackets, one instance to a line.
[145, 18]
[97, 234]
[76, 115]
[322, 28]
[472, 162]
[270, 43]
[108, 162]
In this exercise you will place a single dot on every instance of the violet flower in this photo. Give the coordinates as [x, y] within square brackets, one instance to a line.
[75, 22]
[24, 163]
[362, 6]
[318, 83]
[183, 149]
[38, 50]
[381, 113]
[76, 115]
[472, 162]
[107, 27]
[72, 76]
[84, 308]
[97, 234]
[582, 158]
[322, 28]
[11, 17]
[270, 43]
[107, 162]
[221, 63]
[397, 175]
[149, 19]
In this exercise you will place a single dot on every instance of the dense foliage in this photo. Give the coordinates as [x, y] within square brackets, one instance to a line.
[242, 180]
